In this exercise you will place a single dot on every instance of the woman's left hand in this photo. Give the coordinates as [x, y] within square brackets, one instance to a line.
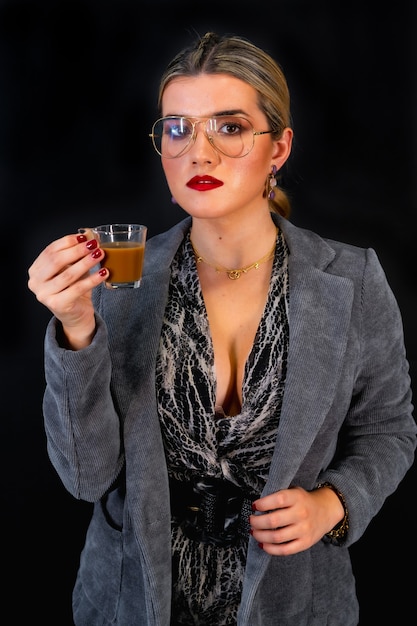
[292, 520]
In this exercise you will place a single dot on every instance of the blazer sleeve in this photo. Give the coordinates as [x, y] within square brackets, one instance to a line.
[81, 422]
[378, 437]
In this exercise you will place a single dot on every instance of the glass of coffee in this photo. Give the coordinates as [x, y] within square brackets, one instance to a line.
[124, 249]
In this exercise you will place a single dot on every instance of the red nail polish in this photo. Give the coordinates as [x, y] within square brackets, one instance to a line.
[96, 254]
[254, 507]
[91, 245]
[103, 271]
[261, 545]
[81, 238]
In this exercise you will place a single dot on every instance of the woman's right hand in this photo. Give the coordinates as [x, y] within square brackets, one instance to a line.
[60, 279]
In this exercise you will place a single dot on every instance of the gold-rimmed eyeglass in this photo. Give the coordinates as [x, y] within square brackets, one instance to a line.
[231, 135]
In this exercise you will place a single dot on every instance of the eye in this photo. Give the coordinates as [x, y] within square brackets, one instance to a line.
[178, 130]
[229, 127]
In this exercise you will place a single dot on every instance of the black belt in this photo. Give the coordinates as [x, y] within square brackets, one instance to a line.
[211, 510]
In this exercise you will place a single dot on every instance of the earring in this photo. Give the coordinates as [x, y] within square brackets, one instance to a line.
[173, 200]
[272, 182]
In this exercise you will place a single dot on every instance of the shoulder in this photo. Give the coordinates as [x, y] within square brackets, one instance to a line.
[161, 248]
[307, 247]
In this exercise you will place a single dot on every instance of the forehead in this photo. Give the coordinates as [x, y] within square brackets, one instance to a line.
[208, 94]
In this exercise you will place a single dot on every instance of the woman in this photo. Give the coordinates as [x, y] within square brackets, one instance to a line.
[239, 419]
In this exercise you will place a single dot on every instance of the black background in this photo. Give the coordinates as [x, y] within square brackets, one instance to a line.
[78, 87]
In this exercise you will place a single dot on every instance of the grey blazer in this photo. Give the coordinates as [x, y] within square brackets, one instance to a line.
[346, 418]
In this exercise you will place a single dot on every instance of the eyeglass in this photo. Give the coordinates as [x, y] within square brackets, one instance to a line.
[234, 136]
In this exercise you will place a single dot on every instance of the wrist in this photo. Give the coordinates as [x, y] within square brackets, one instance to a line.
[337, 535]
[76, 338]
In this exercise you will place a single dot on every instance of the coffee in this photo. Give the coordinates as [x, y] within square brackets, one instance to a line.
[124, 260]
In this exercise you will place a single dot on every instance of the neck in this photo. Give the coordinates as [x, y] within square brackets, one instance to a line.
[236, 273]
[229, 243]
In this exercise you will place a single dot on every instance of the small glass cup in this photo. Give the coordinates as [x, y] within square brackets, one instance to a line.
[124, 249]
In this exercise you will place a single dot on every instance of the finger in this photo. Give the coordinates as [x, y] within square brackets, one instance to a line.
[60, 279]
[76, 272]
[60, 255]
[285, 548]
[88, 232]
[276, 500]
[67, 301]
[272, 520]
[276, 536]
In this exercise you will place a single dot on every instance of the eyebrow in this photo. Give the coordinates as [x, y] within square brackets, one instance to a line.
[217, 114]
[231, 112]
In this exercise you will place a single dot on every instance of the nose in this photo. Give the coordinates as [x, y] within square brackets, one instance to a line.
[202, 148]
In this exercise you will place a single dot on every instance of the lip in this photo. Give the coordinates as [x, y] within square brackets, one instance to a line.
[204, 183]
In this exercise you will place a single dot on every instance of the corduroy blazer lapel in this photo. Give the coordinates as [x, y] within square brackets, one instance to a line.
[320, 306]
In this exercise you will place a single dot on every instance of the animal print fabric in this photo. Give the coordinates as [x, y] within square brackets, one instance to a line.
[201, 441]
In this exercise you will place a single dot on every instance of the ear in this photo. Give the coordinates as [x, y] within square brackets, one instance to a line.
[282, 147]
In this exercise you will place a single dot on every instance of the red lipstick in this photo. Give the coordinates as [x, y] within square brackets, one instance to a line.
[204, 183]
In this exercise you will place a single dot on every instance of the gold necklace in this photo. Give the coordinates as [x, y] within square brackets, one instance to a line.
[235, 274]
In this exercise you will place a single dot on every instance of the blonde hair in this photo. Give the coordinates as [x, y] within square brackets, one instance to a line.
[238, 57]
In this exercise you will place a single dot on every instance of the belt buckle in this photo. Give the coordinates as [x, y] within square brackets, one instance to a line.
[213, 512]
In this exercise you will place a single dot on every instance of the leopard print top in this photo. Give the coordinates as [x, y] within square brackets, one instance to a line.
[200, 440]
